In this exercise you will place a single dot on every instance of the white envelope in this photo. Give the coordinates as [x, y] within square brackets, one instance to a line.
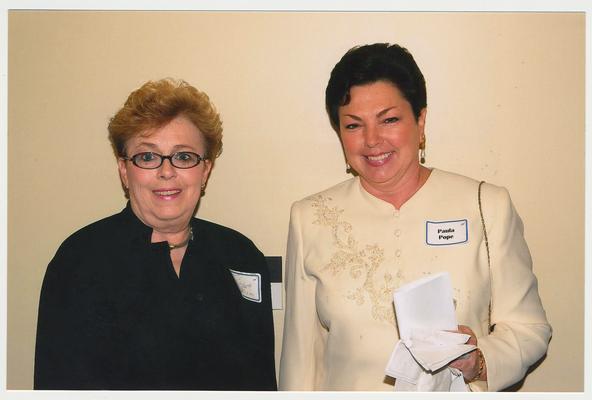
[425, 304]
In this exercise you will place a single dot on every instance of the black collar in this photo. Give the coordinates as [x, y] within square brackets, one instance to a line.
[137, 230]
[142, 233]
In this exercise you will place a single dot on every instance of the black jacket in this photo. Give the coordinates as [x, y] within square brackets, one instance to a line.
[114, 315]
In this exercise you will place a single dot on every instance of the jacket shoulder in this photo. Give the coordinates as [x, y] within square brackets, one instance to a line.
[216, 232]
[337, 191]
[453, 182]
[226, 244]
[91, 235]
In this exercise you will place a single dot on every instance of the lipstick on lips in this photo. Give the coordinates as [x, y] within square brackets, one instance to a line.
[167, 194]
[378, 159]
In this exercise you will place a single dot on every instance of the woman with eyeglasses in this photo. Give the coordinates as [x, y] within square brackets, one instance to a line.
[153, 298]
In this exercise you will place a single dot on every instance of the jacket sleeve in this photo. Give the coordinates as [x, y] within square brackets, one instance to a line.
[248, 339]
[522, 333]
[61, 353]
[264, 377]
[304, 338]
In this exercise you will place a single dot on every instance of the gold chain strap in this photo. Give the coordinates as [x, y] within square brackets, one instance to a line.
[489, 327]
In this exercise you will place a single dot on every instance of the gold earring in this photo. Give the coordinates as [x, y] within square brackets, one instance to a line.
[422, 154]
[203, 189]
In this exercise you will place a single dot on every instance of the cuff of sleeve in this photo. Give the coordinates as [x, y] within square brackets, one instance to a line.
[478, 386]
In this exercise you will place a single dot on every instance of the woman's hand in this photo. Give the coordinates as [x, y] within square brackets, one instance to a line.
[472, 365]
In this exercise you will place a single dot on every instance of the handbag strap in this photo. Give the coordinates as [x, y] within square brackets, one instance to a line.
[489, 327]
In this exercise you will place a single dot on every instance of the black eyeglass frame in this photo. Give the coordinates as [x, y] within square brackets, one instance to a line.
[170, 157]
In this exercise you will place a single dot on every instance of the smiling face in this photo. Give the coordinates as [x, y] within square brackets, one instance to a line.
[381, 137]
[165, 198]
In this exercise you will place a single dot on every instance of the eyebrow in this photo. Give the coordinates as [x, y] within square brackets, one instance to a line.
[153, 146]
[380, 113]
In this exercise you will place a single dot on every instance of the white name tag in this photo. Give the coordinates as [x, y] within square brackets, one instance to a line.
[249, 284]
[447, 232]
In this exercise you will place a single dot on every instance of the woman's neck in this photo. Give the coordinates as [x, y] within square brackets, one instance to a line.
[399, 193]
[172, 236]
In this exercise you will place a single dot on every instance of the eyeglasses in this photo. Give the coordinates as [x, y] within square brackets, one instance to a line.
[180, 159]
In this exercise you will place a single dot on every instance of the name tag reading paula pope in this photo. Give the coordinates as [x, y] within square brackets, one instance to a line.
[445, 233]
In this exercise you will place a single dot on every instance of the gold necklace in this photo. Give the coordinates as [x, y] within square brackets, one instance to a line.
[184, 242]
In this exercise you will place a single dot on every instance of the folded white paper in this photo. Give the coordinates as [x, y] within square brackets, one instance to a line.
[447, 380]
[402, 365]
[436, 349]
[425, 304]
[418, 364]
[425, 311]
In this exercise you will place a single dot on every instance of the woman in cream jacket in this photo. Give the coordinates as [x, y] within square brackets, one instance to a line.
[397, 221]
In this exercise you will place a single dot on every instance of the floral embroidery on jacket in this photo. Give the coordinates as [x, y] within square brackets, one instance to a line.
[360, 262]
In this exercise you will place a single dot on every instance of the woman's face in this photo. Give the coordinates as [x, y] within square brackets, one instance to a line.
[165, 198]
[381, 136]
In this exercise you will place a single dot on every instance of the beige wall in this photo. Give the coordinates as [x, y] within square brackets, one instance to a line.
[506, 104]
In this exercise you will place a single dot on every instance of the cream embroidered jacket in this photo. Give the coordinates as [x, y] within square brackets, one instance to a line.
[348, 251]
